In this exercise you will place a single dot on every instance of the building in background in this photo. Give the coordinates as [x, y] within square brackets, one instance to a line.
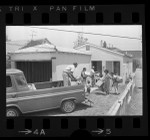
[104, 57]
[137, 58]
[40, 60]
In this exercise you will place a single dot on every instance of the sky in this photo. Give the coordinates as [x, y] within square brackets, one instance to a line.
[67, 39]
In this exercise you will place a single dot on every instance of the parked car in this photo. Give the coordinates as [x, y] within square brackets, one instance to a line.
[22, 97]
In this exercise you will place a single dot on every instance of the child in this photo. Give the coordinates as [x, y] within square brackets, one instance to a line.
[88, 91]
[115, 83]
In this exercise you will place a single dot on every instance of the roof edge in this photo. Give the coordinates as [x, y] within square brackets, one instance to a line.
[101, 48]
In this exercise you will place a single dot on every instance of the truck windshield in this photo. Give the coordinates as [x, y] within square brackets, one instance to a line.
[20, 80]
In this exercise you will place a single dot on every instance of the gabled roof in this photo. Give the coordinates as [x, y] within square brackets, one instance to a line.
[36, 42]
[46, 47]
[38, 48]
[101, 48]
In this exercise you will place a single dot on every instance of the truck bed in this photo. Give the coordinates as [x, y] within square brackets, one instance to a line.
[48, 84]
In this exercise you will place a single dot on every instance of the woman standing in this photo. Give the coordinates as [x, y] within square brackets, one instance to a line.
[106, 80]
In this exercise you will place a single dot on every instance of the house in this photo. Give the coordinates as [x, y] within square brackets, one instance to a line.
[40, 60]
[137, 58]
[105, 58]
[127, 61]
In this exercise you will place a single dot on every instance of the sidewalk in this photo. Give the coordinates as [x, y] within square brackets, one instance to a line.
[135, 105]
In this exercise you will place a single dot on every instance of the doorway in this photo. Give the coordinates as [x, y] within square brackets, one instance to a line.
[117, 67]
[97, 65]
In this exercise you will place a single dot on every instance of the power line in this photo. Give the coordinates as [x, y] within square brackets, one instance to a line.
[126, 37]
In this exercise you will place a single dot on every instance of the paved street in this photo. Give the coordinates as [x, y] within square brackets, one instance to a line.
[135, 106]
[102, 103]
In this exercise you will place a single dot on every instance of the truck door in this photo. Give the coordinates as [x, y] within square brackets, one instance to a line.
[10, 87]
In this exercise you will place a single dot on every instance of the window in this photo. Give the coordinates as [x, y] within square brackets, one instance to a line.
[20, 80]
[87, 48]
[8, 82]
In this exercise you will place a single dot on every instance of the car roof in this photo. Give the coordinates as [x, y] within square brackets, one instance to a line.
[13, 71]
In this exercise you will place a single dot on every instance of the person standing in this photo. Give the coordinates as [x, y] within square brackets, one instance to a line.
[106, 80]
[83, 76]
[68, 74]
[115, 83]
[93, 75]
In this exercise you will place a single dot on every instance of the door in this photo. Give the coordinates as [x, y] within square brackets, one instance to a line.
[117, 67]
[97, 65]
[36, 71]
[10, 87]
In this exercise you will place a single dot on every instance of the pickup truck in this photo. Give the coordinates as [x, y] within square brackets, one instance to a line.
[22, 97]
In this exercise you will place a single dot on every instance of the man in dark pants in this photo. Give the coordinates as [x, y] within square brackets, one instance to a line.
[83, 76]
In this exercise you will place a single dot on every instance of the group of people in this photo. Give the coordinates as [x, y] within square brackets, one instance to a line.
[107, 86]
[110, 82]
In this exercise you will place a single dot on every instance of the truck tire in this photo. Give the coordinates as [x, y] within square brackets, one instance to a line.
[12, 112]
[68, 106]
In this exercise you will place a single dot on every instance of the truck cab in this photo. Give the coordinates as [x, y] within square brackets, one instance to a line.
[15, 81]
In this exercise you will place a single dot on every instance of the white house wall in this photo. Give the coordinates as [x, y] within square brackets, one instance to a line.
[63, 60]
[102, 55]
[59, 64]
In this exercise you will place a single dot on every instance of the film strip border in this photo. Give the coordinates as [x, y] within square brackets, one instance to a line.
[72, 126]
[81, 14]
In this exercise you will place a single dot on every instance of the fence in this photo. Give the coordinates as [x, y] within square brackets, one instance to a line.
[120, 106]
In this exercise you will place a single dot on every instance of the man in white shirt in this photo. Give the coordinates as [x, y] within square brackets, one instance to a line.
[68, 74]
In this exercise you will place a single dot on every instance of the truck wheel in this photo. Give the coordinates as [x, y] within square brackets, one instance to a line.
[12, 112]
[68, 106]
